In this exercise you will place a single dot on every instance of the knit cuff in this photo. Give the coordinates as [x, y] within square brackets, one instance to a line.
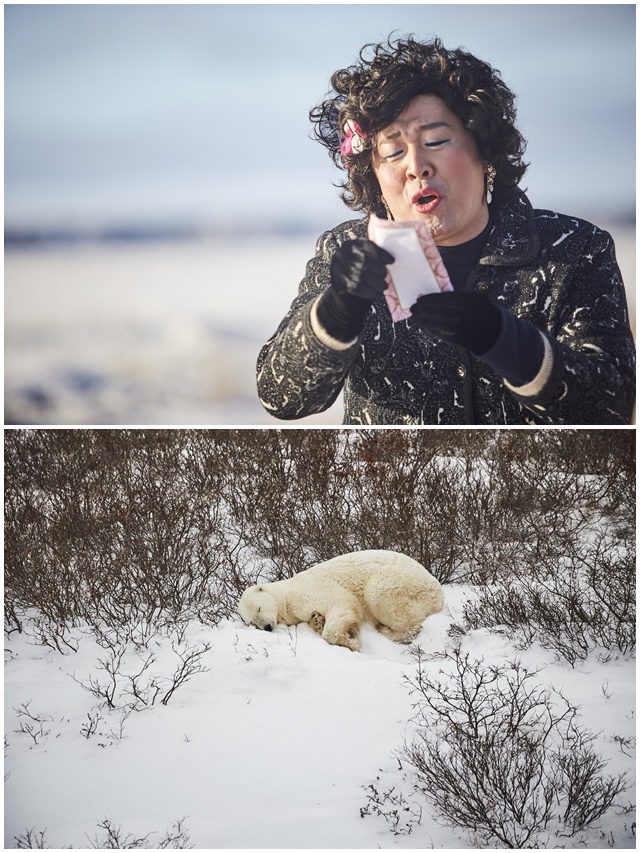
[539, 381]
[323, 336]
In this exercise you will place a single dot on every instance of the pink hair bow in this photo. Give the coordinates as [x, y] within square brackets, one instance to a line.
[353, 142]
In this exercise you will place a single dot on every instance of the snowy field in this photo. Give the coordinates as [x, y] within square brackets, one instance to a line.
[156, 333]
[272, 746]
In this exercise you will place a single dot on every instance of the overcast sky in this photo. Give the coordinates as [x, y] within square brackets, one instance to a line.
[125, 113]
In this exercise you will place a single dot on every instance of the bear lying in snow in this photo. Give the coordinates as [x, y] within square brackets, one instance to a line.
[388, 590]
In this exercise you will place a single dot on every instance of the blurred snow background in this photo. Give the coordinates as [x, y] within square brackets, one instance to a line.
[144, 334]
[175, 141]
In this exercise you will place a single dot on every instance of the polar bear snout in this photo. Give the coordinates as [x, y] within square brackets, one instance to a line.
[259, 623]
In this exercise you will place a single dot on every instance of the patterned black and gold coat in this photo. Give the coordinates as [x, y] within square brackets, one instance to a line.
[556, 272]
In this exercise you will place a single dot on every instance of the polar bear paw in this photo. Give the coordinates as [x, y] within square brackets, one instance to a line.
[350, 639]
[346, 633]
[317, 622]
[400, 636]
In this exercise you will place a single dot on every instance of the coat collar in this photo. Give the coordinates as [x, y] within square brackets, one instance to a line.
[513, 240]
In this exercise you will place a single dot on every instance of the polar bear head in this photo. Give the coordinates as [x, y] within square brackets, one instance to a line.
[258, 607]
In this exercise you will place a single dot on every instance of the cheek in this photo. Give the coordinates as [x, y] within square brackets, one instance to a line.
[465, 171]
[388, 177]
[391, 180]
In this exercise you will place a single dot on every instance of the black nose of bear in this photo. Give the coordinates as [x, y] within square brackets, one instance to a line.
[268, 627]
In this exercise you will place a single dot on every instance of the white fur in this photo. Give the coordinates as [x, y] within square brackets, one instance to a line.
[388, 590]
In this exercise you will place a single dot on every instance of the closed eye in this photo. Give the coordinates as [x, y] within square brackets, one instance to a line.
[398, 153]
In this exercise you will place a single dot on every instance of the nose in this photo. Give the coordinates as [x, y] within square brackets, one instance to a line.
[268, 627]
[418, 162]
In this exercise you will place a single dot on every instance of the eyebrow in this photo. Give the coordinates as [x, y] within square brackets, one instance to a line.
[431, 126]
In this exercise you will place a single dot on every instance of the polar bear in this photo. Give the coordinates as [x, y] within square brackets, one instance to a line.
[386, 589]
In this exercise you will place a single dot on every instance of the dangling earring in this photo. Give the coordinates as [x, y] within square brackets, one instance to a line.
[491, 173]
[386, 207]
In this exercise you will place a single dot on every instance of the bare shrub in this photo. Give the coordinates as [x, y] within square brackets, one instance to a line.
[32, 724]
[306, 496]
[90, 728]
[175, 837]
[190, 665]
[572, 605]
[502, 757]
[391, 805]
[117, 526]
[122, 688]
[526, 493]
[111, 837]
[31, 840]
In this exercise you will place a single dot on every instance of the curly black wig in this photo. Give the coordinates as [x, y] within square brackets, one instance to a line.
[374, 91]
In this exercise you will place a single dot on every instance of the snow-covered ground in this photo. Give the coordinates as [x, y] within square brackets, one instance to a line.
[156, 333]
[272, 747]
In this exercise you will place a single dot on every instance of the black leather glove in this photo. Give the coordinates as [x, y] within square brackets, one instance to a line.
[358, 271]
[466, 319]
